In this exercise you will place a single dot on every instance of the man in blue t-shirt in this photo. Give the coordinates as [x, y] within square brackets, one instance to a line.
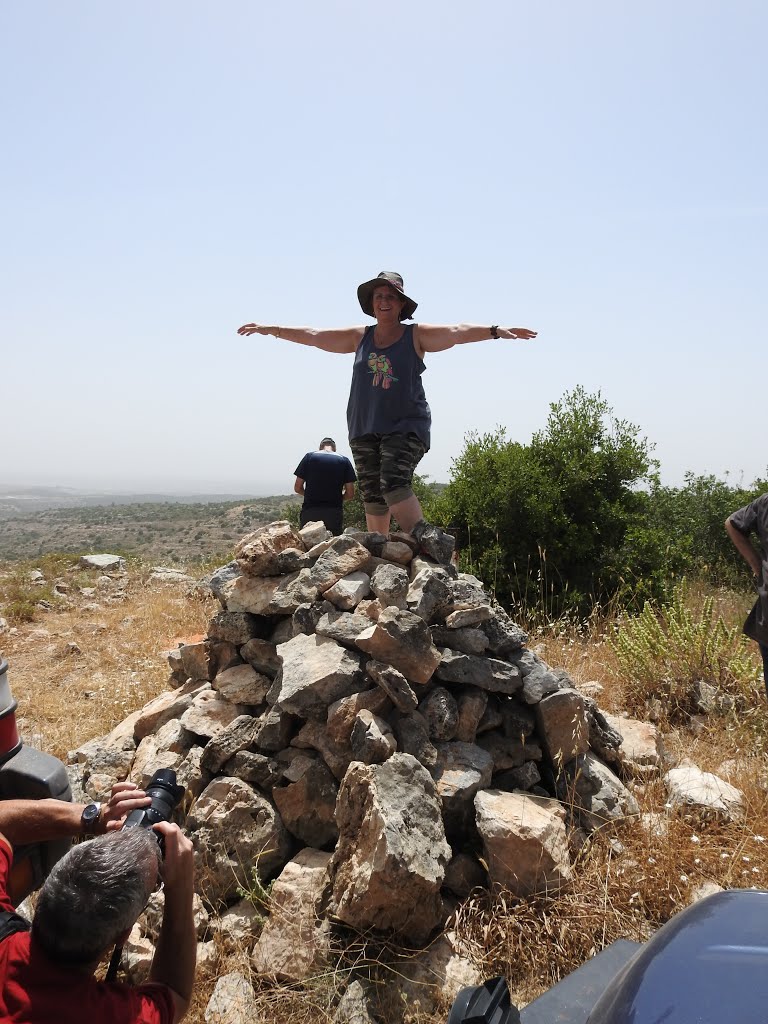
[325, 480]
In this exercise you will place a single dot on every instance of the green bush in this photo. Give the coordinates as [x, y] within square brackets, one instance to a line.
[547, 522]
[664, 654]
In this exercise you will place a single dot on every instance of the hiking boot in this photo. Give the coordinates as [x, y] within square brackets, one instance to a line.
[434, 542]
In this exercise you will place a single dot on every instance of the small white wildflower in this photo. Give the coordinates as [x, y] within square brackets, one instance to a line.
[755, 871]
[651, 860]
[724, 856]
[746, 859]
[759, 839]
[683, 878]
[695, 839]
[697, 861]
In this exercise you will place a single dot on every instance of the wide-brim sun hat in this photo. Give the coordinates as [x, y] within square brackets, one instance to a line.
[366, 290]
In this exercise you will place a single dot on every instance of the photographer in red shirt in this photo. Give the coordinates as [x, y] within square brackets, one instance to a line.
[87, 905]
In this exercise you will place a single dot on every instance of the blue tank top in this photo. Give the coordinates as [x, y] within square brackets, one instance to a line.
[387, 396]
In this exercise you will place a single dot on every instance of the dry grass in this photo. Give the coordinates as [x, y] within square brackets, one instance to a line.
[83, 667]
[68, 695]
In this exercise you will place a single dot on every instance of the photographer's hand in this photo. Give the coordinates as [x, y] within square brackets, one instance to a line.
[174, 961]
[124, 798]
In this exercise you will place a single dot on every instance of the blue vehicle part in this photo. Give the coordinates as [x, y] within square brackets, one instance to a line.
[709, 964]
[572, 999]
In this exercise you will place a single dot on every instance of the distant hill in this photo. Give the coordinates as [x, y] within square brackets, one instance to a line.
[15, 500]
[169, 528]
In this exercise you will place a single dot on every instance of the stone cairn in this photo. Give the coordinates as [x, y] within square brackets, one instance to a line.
[370, 730]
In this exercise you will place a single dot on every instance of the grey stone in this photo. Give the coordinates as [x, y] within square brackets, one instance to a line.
[463, 618]
[471, 704]
[390, 585]
[238, 735]
[343, 627]
[372, 739]
[539, 683]
[253, 767]
[508, 751]
[315, 672]
[314, 533]
[394, 684]
[257, 553]
[106, 563]
[234, 828]
[562, 725]
[391, 856]
[594, 793]
[525, 777]
[464, 874]
[261, 655]
[524, 841]
[308, 802]
[488, 673]
[292, 560]
[428, 594]
[344, 555]
[503, 635]
[412, 737]
[440, 711]
[217, 580]
[234, 627]
[307, 616]
[604, 737]
[461, 770]
[242, 685]
[233, 1001]
[349, 591]
[277, 727]
[467, 641]
[342, 713]
[208, 714]
[403, 640]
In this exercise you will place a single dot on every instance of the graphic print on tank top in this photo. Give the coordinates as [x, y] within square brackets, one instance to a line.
[381, 370]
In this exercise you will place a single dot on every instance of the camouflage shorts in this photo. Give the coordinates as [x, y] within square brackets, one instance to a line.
[385, 465]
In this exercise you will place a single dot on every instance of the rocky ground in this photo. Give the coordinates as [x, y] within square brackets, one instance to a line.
[370, 734]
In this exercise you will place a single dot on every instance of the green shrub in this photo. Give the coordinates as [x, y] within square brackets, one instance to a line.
[664, 654]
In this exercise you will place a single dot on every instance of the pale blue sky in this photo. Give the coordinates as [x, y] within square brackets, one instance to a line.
[595, 171]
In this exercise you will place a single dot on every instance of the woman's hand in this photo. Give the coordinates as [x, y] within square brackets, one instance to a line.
[248, 329]
[521, 333]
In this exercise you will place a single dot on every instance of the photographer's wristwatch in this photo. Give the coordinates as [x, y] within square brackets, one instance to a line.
[89, 819]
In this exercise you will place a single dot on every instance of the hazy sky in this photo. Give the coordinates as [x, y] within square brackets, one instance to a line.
[596, 171]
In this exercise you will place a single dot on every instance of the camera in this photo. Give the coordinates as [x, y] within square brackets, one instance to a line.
[166, 796]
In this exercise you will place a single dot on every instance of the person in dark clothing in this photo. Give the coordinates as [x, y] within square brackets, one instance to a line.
[325, 480]
[388, 416]
[753, 519]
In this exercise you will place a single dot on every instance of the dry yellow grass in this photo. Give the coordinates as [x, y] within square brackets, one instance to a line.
[78, 671]
[68, 695]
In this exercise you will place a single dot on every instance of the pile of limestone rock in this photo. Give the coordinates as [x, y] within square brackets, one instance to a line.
[369, 729]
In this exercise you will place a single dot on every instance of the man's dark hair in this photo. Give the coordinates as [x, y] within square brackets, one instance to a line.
[95, 894]
[328, 441]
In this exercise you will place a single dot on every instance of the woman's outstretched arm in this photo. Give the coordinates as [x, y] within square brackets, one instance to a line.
[433, 338]
[344, 339]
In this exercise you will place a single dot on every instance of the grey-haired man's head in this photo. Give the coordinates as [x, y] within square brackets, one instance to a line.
[95, 894]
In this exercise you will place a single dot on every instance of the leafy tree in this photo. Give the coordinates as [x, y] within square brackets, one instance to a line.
[546, 523]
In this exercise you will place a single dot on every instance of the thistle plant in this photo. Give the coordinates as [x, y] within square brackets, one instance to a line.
[664, 653]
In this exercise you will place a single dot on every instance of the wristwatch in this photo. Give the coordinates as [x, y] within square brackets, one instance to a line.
[89, 819]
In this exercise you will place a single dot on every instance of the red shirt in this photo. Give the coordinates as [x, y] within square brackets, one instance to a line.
[34, 990]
